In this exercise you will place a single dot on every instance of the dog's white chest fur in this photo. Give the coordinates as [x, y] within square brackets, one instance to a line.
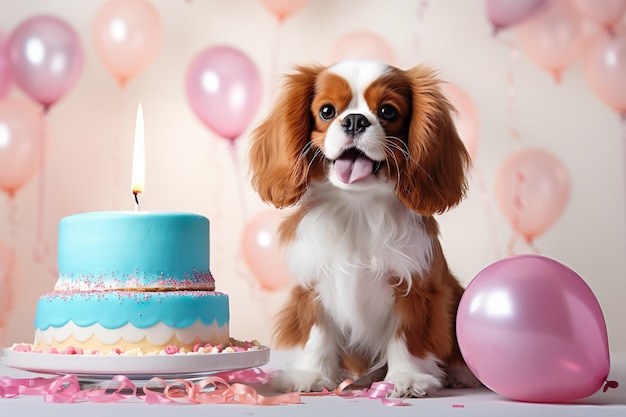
[347, 247]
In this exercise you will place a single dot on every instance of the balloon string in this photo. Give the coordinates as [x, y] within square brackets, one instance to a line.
[518, 206]
[510, 89]
[41, 249]
[12, 219]
[512, 243]
[623, 125]
[518, 209]
[240, 265]
[276, 45]
[482, 186]
[623, 138]
[516, 238]
[533, 247]
[239, 177]
[218, 245]
[242, 272]
[117, 171]
[40, 252]
[419, 30]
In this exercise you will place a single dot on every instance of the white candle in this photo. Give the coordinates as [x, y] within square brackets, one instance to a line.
[138, 177]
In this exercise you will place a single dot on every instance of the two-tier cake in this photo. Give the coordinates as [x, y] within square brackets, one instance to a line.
[132, 281]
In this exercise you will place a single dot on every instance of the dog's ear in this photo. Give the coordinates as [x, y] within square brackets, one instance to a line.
[435, 180]
[278, 159]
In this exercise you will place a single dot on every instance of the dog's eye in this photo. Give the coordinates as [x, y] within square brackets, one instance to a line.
[388, 113]
[327, 112]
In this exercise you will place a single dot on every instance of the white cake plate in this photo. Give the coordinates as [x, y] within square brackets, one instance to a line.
[92, 367]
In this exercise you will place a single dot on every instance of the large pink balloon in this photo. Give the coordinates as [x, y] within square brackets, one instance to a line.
[282, 9]
[506, 13]
[532, 188]
[605, 67]
[224, 89]
[262, 251]
[532, 330]
[603, 12]
[5, 67]
[46, 58]
[553, 37]
[127, 35]
[362, 44]
[466, 116]
[20, 135]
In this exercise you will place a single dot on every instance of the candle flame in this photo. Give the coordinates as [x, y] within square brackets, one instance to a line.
[138, 178]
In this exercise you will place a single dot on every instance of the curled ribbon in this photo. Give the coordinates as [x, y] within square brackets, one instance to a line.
[65, 389]
[118, 384]
[154, 392]
[12, 387]
[248, 376]
[377, 391]
[210, 390]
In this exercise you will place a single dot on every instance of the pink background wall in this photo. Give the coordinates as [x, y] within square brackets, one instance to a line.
[190, 168]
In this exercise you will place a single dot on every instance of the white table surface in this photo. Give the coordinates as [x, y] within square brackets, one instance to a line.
[475, 402]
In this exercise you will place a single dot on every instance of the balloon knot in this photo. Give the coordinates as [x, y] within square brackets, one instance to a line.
[610, 384]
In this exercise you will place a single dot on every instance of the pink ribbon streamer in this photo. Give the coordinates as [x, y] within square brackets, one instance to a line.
[210, 390]
[248, 376]
[216, 389]
[377, 391]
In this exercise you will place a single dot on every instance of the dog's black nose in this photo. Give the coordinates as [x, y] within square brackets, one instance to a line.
[355, 123]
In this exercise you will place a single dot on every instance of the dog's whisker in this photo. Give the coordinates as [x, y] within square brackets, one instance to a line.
[305, 150]
[406, 154]
[315, 155]
[317, 152]
[395, 159]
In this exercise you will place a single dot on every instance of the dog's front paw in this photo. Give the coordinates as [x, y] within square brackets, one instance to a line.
[295, 380]
[460, 376]
[409, 384]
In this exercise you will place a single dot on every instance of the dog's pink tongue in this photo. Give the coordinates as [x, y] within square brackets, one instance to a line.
[352, 167]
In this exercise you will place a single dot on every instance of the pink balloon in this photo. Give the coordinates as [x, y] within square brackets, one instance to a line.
[605, 67]
[46, 58]
[602, 12]
[224, 89]
[20, 135]
[282, 9]
[506, 13]
[262, 251]
[5, 67]
[553, 37]
[532, 188]
[362, 45]
[466, 116]
[127, 35]
[531, 329]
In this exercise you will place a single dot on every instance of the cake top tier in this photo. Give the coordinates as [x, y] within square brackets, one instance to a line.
[134, 250]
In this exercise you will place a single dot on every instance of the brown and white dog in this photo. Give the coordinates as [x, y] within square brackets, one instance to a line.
[368, 153]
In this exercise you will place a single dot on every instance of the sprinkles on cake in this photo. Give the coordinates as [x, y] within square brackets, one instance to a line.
[232, 346]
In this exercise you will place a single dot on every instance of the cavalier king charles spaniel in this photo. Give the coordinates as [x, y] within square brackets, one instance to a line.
[368, 153]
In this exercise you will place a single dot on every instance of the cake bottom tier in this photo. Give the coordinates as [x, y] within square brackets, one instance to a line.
[124, 321]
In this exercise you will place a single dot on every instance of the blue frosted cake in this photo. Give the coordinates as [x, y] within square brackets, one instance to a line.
[132, 281]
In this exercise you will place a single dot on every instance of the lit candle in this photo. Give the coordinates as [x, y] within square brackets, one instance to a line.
[138, 177]
[133, 249]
